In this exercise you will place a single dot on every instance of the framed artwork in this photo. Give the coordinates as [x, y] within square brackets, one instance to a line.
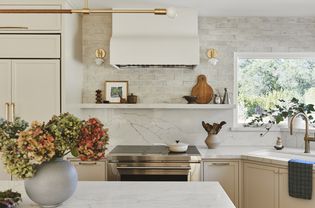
[116, 89]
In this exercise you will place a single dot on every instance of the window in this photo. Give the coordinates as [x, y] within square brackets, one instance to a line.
[263, 79]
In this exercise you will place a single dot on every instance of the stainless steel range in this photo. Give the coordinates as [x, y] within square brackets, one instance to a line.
[153, 163]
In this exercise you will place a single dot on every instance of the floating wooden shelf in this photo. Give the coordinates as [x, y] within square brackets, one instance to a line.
[158, 106]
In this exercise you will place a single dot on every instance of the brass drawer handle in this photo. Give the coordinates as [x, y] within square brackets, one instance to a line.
[7, 111]
[219, 164]
[12, 112]
[13, 28]
[87, 163]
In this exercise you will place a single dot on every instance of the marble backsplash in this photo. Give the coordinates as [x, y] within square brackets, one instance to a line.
[147, 127]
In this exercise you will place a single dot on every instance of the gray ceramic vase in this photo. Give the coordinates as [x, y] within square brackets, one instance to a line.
[53, 183]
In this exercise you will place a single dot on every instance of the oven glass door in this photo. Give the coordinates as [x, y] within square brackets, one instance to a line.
[154, 172]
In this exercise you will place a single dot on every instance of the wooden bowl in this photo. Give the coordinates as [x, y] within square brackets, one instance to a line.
[190, 99]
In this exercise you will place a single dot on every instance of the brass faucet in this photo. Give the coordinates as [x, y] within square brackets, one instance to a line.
[307, 138]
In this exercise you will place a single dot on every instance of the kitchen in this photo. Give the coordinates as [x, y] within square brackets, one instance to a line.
[161, 114]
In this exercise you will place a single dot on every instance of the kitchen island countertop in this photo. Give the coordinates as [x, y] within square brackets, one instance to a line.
[138, 195]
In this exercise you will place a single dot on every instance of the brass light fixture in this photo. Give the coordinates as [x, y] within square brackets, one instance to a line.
[212, 56]
[100, 55]
[171, 12]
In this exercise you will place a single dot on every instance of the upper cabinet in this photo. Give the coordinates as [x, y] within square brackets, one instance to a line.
[15, 23]
[31, 89]
[5, 88]
[29, 46]
[35, 89]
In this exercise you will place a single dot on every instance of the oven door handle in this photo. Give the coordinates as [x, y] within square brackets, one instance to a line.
[153, 168]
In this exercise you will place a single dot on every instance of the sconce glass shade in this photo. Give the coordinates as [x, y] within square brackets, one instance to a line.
[171, 12]
[212, 56]
[99, 61]
[100, 55]
[213, 61]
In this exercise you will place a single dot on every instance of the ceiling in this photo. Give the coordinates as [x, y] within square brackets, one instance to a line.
[218, 7]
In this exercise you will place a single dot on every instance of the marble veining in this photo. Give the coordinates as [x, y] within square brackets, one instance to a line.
[139, 195]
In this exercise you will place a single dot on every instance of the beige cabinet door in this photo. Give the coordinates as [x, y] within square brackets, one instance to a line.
[4, 176]
[30, 46]
[90, 170]
[36, 89]
[285, 200]
[260, 186]
[225, 172]
[5, 87]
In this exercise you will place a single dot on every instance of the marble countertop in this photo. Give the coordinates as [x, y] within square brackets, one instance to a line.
[257, 154]
[138, 195]
[228, 152]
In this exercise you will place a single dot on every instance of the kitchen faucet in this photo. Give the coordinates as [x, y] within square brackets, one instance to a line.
[307, 138]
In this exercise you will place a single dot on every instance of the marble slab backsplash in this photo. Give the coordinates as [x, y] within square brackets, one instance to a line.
[227, 35]
[148, 127]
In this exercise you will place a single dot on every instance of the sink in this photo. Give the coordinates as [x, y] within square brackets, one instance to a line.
[285, 154]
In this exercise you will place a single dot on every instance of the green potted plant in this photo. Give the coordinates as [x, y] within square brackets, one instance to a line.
[282, 111]
[36, 153]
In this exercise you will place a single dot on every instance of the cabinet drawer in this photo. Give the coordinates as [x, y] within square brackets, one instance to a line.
[30, 22]
[4, 176]
[30, 46]
[225, 172]
[90, 171]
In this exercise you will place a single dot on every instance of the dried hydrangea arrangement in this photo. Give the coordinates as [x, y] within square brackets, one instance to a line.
[65, 129]
[23, 150]
[12, 157]
[92, 141]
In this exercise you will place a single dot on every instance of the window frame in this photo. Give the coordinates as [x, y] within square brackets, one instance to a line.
[260, 55]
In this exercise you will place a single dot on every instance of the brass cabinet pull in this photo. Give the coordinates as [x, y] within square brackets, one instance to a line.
[13, 28]
[12, 112]
[219, 164]
[7, 111]
[87, 163]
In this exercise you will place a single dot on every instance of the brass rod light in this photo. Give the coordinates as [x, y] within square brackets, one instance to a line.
[171, 12]
[82, 11]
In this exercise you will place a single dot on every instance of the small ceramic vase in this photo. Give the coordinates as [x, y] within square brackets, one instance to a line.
[212, 141]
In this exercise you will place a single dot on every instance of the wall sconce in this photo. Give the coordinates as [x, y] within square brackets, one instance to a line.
[212, 56]
[100, 55]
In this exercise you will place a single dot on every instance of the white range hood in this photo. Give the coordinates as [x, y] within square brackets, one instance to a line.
[146, 40]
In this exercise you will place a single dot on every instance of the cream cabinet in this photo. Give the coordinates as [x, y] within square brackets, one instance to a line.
[285, 201]
[5, 88]
[31, 88]
[4, 176]
[30, 22]
[29, 46]
[225, 172]
[90, 170]
[260, 186]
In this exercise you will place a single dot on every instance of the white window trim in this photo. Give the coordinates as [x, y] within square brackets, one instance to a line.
[263, 55]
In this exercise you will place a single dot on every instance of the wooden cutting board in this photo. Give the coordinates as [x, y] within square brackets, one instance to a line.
[202, 90]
